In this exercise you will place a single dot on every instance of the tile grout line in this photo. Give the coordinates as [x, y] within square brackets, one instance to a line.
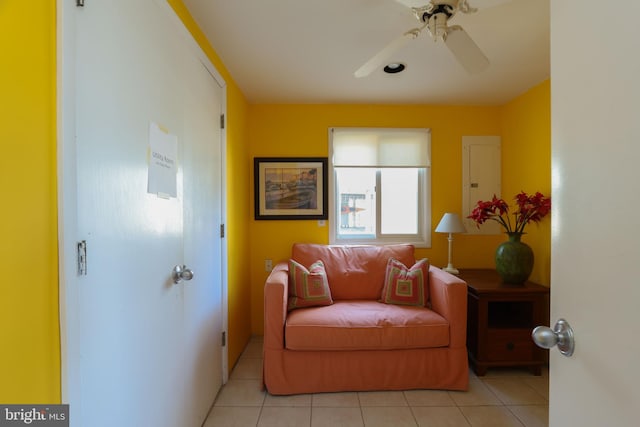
[413, 414]
[502, 403]
[361, 410]
[404, 396]
[516, 417]
[525, 384]
[264, 399]
[259, 414]
[464, 416]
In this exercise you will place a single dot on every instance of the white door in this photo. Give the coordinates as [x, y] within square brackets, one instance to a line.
[595, 106]
[137, 348]
[481, 173]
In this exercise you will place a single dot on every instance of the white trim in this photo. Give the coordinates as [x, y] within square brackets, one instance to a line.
[67, 196]
[187, 36]
[225, 257]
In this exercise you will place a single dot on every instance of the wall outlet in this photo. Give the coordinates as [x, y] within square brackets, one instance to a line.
[268, 265]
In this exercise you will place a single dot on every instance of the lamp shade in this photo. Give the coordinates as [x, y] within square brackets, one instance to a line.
[450, 223]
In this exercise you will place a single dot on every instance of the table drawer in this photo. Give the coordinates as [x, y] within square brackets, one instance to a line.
[509, 345]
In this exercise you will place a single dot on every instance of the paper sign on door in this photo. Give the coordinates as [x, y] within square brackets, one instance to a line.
[163, 162]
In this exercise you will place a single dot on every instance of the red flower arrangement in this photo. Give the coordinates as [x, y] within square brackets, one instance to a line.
[530, 209]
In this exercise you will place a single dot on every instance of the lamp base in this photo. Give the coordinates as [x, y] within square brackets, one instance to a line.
[451, 269]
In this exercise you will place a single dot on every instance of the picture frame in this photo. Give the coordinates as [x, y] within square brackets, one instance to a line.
[290, 188]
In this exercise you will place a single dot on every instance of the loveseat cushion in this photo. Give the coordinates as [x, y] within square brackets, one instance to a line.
[404, 285]
[353, 271]
[365, 325]
[308, 288]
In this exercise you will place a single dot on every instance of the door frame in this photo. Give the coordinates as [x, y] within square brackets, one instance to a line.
[67, 189]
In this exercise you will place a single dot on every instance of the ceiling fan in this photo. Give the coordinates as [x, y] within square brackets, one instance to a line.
[435, 16]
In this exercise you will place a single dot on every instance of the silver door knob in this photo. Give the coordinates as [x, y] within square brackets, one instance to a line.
[180, 273]
[561, 335]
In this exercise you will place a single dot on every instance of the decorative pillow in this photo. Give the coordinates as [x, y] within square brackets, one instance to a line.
[308, 288]
[406, 286]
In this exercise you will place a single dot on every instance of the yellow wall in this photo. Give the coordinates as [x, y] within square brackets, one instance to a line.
[238, 203]
[30, 355]
[238, 214]
[302, 130]
[526, 164]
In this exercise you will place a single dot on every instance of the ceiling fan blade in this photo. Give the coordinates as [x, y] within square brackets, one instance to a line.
[465, 50]
[413, 3]
[480, 4]
[379, 58]
[486, 4]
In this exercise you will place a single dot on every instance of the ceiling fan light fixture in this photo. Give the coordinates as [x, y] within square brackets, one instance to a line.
[394, 68]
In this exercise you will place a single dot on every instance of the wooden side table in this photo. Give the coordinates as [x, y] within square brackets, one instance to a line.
[500, 318]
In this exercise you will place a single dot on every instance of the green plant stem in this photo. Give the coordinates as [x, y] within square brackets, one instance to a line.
[501, 221]
[524, 221]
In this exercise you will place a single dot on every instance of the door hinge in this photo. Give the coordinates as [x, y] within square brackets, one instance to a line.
[224, 338]
[221, 230]
[221, 121]
[80, 3]
[82, 258]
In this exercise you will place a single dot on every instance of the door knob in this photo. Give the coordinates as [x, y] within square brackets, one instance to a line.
[180, 273]
[561, 335]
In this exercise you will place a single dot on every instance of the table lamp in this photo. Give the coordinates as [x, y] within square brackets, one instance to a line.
[450, 223]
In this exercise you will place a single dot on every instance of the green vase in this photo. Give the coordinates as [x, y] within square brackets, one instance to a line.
[514, 260]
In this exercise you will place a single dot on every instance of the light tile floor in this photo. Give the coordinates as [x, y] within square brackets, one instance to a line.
[504, 397]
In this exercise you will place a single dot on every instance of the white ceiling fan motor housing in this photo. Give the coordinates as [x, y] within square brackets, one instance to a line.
[438, 25]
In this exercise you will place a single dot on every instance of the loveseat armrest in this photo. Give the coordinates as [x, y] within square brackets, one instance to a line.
[276, 292]
[448, 295]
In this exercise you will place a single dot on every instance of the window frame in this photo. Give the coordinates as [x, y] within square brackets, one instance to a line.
[422, 239]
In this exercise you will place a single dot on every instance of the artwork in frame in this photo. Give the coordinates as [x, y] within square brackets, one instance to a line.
[290, 187]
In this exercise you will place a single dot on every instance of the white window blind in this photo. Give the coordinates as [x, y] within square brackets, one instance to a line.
[381, 148]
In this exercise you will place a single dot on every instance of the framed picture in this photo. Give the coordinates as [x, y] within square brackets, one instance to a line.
[290, 187]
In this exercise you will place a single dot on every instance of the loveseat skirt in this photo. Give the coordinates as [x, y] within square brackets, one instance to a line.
[294, 372]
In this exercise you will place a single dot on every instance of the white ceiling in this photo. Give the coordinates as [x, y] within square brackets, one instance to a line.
[306, 51]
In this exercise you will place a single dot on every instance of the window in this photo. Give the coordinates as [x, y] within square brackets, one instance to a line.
[379, 186]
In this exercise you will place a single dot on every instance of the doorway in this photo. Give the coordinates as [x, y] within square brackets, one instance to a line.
[132, 339]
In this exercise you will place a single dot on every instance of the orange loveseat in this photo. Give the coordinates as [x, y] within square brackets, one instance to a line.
[358, 343]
